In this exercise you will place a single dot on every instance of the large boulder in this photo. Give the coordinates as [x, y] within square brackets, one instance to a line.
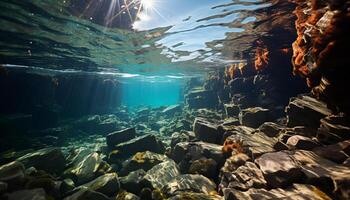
[254, 117]
[187, 182]
[117, 137]
[298, 191]
[301, 142]
[306, 111]
[147, 142]
[49, 159]
[12, 174]
[107, 184]
[206, 131]
[333, 129]
[280, 169]
[244, 177]
[161, 174]
[142, 160]
[132, 182]
[200, 98]
[271, 129]
[232, 110]
[86, 168]
[205, 167]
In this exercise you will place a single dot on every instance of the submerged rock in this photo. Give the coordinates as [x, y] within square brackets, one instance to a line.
[301, 142]
[306, 111]
[126, 196]
[187, 182]
[87, 168]
[132, 182]
[86, 194]
[280, 169]
[199, 98]
[117, 137]
[232, 110]
[171, 110]
[298, 191]
[195, 196]
[254, 117]
[336, 152]
[270, 129]
[334, 128]
[49, 159]
[143, 143]
[205, 167]
[107, 184]
[161, 174]
[142, 160]
[206, 131]
[12, 174]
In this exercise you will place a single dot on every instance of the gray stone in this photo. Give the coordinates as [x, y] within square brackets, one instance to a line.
[187, 182]
[301, 142]
[107, 184]
[279, 168]
[206, 131]
[271, 129]
[243, 178]
[142, 160]
[254, 117]
[117, 137]
[132, 182]
[147, 142]
[50, 160]
[161, 174]
[297, 192]
[13, 174]
[306, 111]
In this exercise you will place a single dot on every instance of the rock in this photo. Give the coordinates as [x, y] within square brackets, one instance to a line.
[34, 194]
[107, 184]
[195, 196]
[270, 129]
[305, 111]
[161, 174]
[327, 175]
[126, 196]
[199, 98]
[51, 160]
[190, 151]
[254, 117]
[231, 110]
[298, 191]
[280, 146]
[132, 182]
[241, 85]
[187, 182]
[147, 142]
[205, 167]
[87, 168]
[142, 160]
[3, 187]
[171, 110]
[117, 137]
[337, 152]
[12, 174]
[230, 122]
[243, 178]
[178, 137]
[206, 131]
[301, 142]
[333, 129]
[280, 169]
[86, 194]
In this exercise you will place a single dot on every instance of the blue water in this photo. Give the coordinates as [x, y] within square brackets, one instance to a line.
[151, 93]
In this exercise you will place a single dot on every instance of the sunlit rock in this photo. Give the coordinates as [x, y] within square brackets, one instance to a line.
[132, 182]
[302, 142]
[271, 129]
[48, 159]
[297, 191]
[306, 111]
[254, 117]
[171, 110]
[206, 131]
[126, 196]
[188, 182]
[107, 184]
[85, 193]
[117, 137]
[142, 160]
[280, 169]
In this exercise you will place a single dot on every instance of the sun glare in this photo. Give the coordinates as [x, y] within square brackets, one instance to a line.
[147, 4]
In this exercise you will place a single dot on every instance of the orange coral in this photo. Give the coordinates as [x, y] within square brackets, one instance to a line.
[261, 58]
[232, 145]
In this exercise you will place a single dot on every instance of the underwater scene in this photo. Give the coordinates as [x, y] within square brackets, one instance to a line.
[174, 100]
